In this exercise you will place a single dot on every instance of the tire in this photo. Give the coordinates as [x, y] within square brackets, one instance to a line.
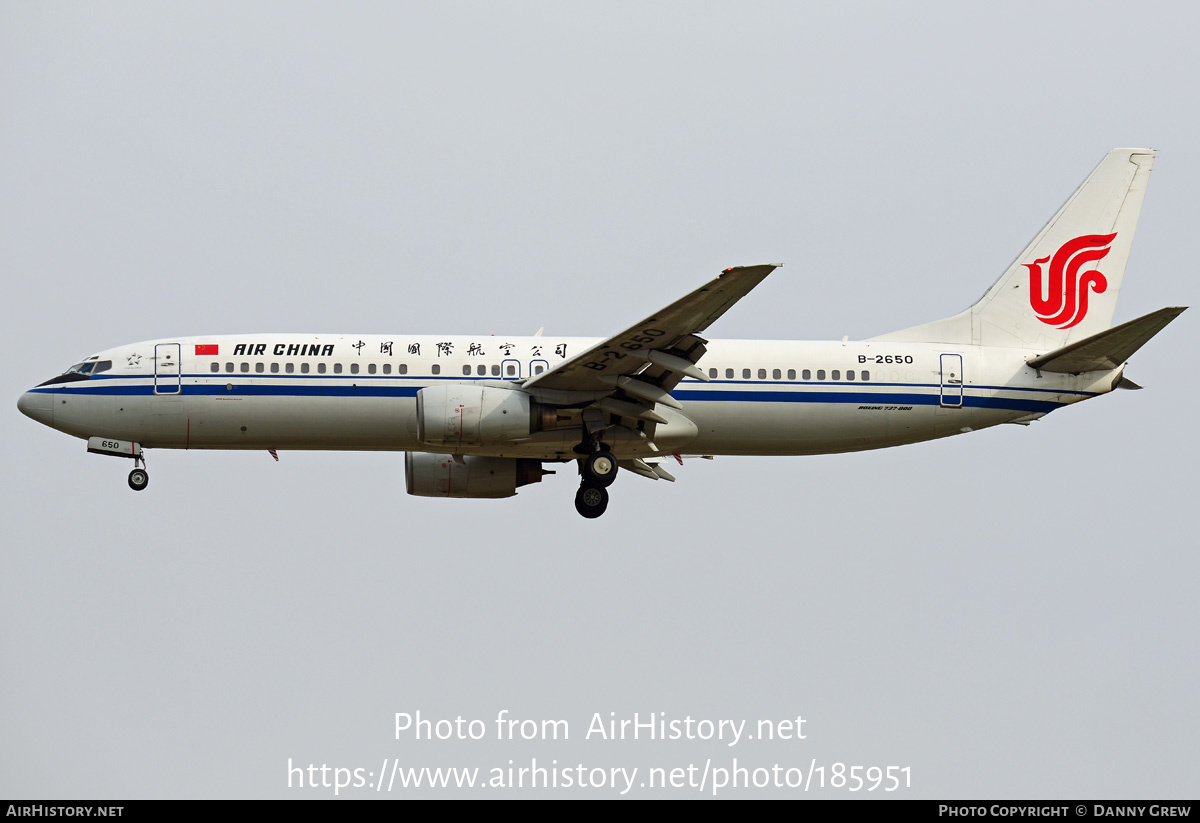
[600, 468]
[138, 479]
[591, 500]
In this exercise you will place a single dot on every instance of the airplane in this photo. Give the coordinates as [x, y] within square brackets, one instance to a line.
[479, 416]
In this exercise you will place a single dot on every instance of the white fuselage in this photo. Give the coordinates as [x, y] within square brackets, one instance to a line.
[349, 392]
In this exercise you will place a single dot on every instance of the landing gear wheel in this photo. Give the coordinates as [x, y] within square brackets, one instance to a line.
[591, 501]
[138, 479]
[600, 468]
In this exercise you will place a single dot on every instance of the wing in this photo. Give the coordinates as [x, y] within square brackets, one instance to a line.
[659, 350]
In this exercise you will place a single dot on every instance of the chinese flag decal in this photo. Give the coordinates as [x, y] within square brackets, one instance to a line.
[206, 348]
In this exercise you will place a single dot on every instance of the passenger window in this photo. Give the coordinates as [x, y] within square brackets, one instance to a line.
[820, 374]
[354, 368]
[467, 371]
[866, 375]
[216, 367]
[850, 375]
[245, 367]
[806, 374]
[387, 368]
[837, 375]
[776, 374]
[495, 370]
[511, 370]
[304, 368]
[258, 368]
[729, 374]
[481, 371]
[402, 368]
[320, 368]
[745, 374]
[712, 372]
[229, 367]
[289, 367]
[435, 369]
[274, 368]
[371, 368]
[762, 374]
[791, 374]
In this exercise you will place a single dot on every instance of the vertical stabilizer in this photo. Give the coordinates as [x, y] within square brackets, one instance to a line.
[1063, 287]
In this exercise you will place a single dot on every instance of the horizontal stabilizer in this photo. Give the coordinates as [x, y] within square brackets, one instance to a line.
[1108, 349]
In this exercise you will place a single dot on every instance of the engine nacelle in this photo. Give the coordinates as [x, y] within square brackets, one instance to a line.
[449, 475]
[472, 415]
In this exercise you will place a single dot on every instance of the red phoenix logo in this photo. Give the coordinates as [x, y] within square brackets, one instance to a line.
[1061, 298]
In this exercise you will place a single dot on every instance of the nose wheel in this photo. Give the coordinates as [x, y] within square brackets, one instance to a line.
[138, 479]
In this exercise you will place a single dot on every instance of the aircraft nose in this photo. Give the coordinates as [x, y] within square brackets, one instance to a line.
[37, 405]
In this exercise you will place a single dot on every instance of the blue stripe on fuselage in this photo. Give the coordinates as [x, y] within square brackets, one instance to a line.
[865, 399]
[859, 396]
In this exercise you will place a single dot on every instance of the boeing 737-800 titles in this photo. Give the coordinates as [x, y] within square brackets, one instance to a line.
[478, 416]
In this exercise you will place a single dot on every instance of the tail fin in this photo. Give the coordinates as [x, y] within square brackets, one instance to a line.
[1064, 286]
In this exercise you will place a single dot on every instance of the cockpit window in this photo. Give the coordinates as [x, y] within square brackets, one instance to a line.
[80, 371]
[82, 368]
[90, 366]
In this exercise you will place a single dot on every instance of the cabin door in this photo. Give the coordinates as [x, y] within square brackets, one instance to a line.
[167, 369]
[952, 381]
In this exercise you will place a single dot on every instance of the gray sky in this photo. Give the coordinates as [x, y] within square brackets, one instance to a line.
[1010, 614]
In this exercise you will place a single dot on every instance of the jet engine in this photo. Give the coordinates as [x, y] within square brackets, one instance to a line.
[450, 475]
[473, 415]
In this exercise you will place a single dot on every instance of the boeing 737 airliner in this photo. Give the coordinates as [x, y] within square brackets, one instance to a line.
[479, 416]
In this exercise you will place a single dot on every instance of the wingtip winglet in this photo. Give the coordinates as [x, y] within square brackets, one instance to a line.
[769, 266]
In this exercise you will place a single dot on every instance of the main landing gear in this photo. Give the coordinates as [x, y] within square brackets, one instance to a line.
[590, 500]
[600, 468]
[598, 471]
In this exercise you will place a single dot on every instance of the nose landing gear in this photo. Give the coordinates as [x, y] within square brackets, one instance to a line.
[138, 479]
